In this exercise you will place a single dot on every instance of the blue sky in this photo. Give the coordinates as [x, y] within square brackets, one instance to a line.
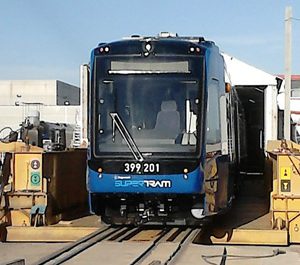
[50, 39]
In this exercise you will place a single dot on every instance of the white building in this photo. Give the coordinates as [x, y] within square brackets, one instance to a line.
[55, 100]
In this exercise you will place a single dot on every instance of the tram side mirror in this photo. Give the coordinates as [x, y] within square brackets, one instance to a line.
[227, 87]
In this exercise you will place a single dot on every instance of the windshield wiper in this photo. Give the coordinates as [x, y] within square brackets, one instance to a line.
[126, 136]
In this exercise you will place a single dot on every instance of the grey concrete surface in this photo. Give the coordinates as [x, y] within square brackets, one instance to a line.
[113, 253]
[31, 252]
[193, 255]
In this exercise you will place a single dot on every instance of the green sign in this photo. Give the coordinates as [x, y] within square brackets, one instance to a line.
[35, 178]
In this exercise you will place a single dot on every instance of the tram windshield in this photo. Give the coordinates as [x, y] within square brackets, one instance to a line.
[147, 106]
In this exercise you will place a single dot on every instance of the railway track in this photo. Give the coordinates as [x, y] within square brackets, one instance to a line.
[181, 237]
[163, 245]
[78, 247]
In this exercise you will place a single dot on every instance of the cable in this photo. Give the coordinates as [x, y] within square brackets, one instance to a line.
[6, 139]
[6, 127]
[276, 252]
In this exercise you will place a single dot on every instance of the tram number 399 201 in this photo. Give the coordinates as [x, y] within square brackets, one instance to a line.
[141, 168]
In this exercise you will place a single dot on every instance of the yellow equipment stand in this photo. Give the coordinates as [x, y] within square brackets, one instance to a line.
[40, 188]
[22, 185]
[285, 197]
[257, 220]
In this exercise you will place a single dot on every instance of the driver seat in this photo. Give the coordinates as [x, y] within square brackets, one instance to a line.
[168, 120]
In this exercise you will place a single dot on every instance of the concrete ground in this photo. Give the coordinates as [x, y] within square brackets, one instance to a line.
[115, 253]
[194, 253]
[124, 253]
[31, 252]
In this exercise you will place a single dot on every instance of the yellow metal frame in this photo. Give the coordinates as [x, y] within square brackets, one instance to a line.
[27, 186]
[253, 237]
[27, 172]
[285, 197]
[47, 233]
[18, 147]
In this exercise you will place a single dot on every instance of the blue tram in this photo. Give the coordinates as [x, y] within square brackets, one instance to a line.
[162, 130]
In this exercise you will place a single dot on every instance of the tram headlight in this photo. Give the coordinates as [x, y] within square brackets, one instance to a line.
[185, 173]
[148, 47]
[100, 170]
[105, 49]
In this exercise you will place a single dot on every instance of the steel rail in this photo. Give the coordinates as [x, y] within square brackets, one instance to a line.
[185, 238]
[79, 246]
[184, 243]
[154, 244]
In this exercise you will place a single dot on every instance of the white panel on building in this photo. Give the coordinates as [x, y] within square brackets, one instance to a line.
[55, 100]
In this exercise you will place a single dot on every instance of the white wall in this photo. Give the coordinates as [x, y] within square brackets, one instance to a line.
[17, 98]
[28, 91]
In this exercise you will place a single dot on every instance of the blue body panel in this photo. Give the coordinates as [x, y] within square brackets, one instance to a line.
[126, 183]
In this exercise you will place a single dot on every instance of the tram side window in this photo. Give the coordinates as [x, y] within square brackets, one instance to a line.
[213, 134]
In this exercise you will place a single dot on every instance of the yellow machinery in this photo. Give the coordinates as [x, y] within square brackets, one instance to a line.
[285, 197]
[27, 197]
[21, 184]
[269, 214]
[41, 188]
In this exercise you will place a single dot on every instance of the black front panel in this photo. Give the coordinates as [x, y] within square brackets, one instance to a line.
[133, 167]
